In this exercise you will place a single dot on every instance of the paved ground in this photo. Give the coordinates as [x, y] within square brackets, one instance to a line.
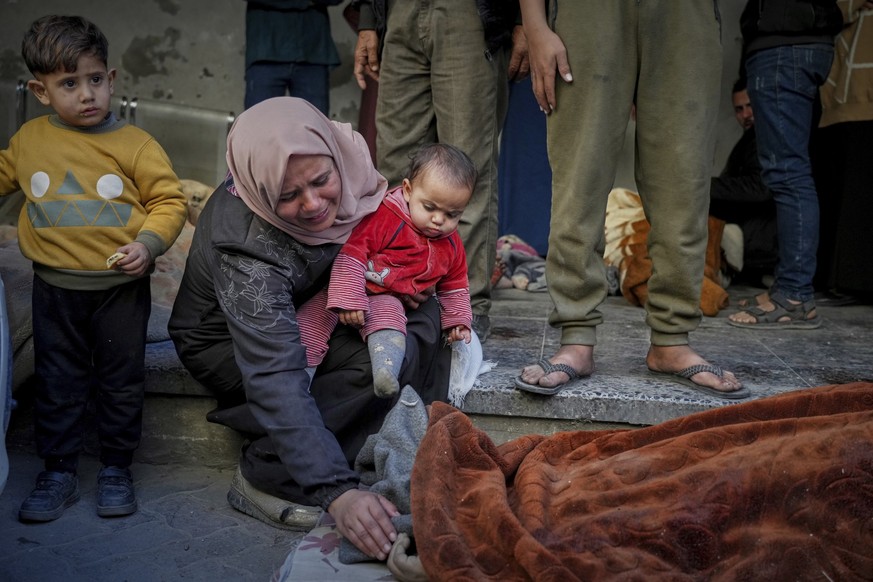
[185, 530]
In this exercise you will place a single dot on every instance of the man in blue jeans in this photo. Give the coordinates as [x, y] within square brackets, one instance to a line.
[788, 50]
[289, 48]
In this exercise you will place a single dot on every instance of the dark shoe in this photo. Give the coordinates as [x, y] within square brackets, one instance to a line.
[115, 494]
[54, 492]
[482, 327]
[271, 510]
[835, 299]
[784, 315]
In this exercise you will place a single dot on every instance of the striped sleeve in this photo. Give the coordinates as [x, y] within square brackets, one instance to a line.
[455, 309]
[347, 290]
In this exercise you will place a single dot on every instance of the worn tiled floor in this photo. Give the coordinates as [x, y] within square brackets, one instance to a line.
[185, 530]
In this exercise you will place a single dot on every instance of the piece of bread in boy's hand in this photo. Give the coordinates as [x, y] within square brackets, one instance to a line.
[113, 259]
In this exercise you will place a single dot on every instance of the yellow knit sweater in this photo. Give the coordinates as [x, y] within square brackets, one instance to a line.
[89, 192]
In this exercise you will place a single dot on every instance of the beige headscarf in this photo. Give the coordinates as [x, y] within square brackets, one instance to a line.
[266, 135]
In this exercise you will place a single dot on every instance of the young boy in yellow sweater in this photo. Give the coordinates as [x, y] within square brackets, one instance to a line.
[96, 188]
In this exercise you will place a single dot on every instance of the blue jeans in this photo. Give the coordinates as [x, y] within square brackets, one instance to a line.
[311, 82]
[783, 84]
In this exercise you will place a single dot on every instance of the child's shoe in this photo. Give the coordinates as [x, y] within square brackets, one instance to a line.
[54, 492]
[115, 494]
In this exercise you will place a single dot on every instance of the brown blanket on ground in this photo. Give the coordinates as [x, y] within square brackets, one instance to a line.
[774, 489]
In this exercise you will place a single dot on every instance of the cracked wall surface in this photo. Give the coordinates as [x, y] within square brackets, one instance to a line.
[188, 52]
[191, 52]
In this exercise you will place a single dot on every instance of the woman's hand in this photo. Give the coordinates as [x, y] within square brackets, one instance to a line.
[364, 519]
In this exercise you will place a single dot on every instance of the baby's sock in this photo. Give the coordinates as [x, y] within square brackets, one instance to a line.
[387, 348]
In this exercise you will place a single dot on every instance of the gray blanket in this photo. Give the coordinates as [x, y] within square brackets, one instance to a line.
[385, 463]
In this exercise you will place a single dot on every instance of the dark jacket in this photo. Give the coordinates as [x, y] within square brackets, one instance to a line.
[498, 19]
[290, 31]
[741, 181]
[234, 321]
[738, 196]
[772, 23]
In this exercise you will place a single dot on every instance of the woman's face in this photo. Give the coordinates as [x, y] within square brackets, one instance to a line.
[310, 193]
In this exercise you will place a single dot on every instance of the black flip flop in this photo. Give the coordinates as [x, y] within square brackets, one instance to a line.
[684, 377]
[548, 368]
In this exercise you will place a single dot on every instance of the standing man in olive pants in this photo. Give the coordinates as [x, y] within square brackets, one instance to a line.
[664, 57]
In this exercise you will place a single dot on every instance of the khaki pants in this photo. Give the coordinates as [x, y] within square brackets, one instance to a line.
[436, 85]
[666, 56]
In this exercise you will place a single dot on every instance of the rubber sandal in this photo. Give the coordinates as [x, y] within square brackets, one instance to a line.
[684, 377]
[548, 368]
[786, 315]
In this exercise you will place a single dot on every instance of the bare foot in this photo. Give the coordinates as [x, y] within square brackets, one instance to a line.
[578, 357]
[672, 359]
[756, 301]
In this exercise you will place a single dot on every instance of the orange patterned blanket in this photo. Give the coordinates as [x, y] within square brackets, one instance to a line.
[626, 235]
[774, 489]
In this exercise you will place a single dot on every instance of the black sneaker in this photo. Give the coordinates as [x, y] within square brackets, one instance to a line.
[54, 492]
[115, 494]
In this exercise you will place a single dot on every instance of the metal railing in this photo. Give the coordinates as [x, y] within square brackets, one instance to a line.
[193, 137]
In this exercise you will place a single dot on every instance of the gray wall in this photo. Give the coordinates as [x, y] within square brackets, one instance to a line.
[190, 52]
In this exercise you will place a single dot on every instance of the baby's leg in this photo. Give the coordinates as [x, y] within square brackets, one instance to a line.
[385, 332]
[316, 323]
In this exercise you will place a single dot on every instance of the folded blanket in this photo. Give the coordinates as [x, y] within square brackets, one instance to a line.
[774, 489]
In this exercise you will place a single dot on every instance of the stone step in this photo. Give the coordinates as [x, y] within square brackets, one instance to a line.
[165, 374]
[622, 392]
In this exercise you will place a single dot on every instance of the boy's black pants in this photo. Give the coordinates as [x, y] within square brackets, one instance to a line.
[84, 341]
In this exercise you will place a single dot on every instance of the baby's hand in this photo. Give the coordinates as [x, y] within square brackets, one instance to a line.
[459, 332]
[136, 261]
[352, 317]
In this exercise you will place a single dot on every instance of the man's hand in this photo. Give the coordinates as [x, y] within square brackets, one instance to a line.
[366, 57]
[519, 63]
[364, 519]
[415, 301]
[547, 54]
[137, 261]
[354, 318]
